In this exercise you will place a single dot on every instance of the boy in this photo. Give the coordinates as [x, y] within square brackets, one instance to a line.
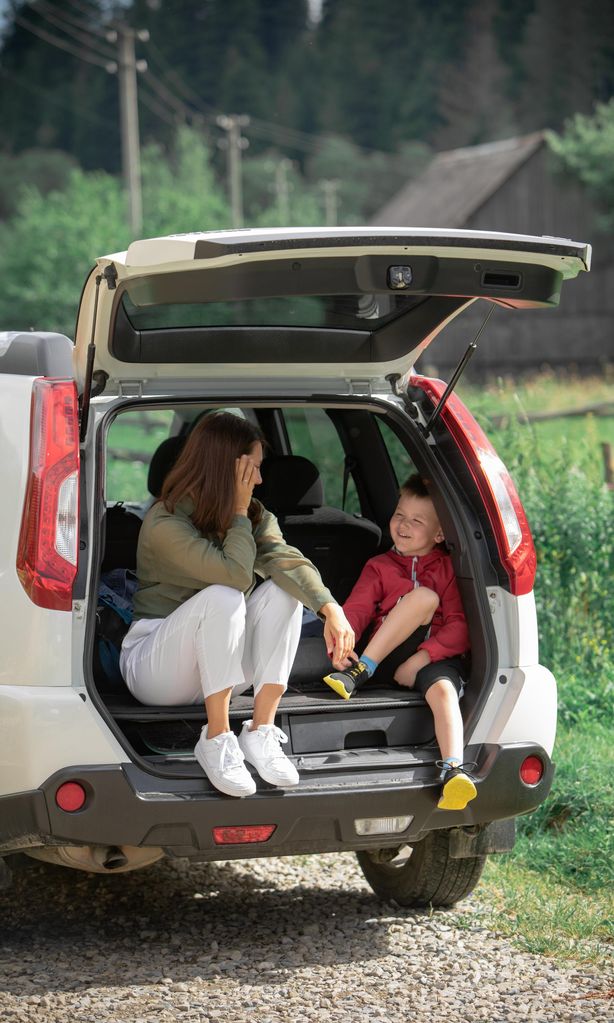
[410, 594]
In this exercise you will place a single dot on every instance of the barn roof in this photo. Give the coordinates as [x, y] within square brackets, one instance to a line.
[456, 183]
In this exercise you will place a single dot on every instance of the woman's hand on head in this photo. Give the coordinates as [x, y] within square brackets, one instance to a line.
[247, 476]
[338, 633]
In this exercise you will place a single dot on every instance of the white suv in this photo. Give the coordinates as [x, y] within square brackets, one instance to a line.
[313, 335]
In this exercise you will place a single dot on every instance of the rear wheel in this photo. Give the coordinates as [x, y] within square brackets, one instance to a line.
[423, 874]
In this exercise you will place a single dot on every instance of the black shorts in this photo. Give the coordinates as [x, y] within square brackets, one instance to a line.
[454, 668]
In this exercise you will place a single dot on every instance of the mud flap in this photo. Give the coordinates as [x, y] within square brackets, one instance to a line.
[499, 836]
[6, 878]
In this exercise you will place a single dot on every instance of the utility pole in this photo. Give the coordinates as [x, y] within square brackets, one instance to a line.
[330, 188]
[129, 117]
[282, 189]
[235, 143]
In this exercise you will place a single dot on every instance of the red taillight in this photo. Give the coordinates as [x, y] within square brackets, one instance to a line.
[71, 796]
[49, 537]
[497, 490]
[531, 770]
[246, 833]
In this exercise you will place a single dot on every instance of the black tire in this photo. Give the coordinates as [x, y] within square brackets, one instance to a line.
[430, 877]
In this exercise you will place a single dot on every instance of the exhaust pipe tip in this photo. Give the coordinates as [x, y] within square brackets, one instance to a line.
[98, 859]
[112, 858]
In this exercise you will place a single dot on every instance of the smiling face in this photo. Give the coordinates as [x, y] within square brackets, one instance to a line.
[414, 526]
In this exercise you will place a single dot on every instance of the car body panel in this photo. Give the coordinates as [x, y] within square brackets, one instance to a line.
[446, 266]
[46, 728]
[122, 808]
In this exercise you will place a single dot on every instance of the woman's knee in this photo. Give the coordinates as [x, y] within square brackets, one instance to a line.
[223, 599]
[283, 602]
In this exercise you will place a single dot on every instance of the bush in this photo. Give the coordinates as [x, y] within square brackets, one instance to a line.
[570, 513]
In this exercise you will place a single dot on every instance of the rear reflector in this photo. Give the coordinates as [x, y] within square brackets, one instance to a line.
[382, 825]
[503, 507]
[243, 834]
[531, 770]
[49, 537]
[71, 796]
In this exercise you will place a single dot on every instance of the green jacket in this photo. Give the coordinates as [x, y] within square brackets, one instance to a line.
[174, 561]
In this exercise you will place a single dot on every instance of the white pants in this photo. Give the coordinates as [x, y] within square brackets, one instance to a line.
[217, 640]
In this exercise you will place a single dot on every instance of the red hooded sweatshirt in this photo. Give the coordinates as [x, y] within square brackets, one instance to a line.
[388, 577]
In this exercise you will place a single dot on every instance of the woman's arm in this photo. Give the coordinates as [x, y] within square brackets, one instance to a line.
[176, 552]
[338, 633]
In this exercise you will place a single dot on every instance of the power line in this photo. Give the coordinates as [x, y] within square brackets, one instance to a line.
[81, 7]
[281, 135]
[156, 108]
[59, 43]
[81, 37]
[166, 95]
[49, 98]
[176, 82]
[77, 22]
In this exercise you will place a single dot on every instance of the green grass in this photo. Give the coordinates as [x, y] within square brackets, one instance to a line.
[553, 894]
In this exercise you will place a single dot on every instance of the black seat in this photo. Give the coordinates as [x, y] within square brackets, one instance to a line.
[122, 525]
[339, 544]
[162, 461]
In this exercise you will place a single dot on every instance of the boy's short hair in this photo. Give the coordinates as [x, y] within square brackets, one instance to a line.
[415, 485]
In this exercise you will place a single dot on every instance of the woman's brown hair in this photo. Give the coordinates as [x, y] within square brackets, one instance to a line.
[205, 471]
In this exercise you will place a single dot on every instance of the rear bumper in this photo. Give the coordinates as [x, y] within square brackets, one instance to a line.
[126, 806]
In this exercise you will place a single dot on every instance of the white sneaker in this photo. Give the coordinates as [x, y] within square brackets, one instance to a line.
[223, 763]
[262, 749]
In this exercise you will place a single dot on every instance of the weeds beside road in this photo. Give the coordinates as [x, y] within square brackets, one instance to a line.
[555, 890]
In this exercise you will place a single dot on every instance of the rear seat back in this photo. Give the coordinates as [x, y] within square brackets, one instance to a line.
[338, 543]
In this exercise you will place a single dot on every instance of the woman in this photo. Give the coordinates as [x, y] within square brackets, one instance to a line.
[198, 629]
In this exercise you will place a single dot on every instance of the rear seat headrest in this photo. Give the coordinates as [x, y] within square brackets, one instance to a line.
[162, 461]
[290, 484]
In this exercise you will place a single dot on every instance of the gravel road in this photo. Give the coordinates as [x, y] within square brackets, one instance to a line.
[279, 941]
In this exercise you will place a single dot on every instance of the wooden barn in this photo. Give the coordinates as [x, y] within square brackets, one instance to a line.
[513, 185]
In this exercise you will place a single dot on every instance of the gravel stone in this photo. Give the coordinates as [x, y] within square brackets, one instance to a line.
[265, 941]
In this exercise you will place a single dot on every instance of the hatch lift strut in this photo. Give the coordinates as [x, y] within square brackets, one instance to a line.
[428, 428]
[109, 274]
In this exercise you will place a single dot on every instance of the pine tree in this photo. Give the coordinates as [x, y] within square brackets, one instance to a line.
[472, 99]
[52, 98]
[567, 61]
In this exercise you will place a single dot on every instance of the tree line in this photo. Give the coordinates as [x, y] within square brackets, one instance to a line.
[351, 105]
[440, 73]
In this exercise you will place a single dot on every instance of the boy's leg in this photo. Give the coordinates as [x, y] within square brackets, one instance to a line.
[442, 696]
[412, 611]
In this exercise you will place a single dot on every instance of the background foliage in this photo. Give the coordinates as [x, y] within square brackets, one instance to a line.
[554, 893]
[444, 72]
[356, 100]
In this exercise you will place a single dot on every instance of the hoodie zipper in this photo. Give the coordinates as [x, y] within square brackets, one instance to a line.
[414, 562]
